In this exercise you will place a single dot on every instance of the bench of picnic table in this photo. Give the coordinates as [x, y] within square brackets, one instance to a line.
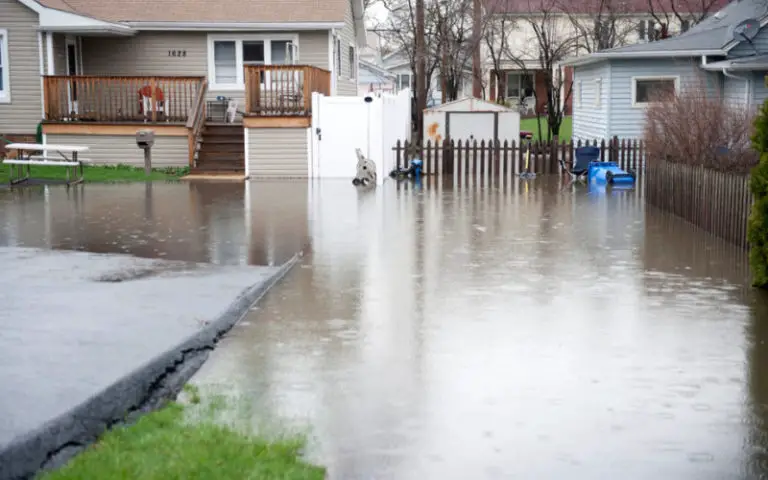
[32, 158]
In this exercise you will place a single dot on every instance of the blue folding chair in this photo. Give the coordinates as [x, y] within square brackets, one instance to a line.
[583, 157]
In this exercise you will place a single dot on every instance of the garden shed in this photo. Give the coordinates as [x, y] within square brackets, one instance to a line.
[471, 119]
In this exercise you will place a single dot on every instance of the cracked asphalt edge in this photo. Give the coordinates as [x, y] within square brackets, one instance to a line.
[147, 388]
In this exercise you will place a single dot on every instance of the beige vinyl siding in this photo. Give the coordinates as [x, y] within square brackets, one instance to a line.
[122, 149]
[278, 152]
[344, 84]
[24, 111]
[147, 54]
[313, 49]
[59, 54]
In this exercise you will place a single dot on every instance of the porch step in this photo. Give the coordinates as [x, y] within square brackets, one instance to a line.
[204, 156]
[235, 131]
[220, 172]
[222, 150]
[224, 140]
[226, 148]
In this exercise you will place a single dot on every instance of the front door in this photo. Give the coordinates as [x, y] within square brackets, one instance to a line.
[73, 68]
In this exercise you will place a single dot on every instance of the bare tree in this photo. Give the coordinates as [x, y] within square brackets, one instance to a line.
[458, 45]
[549, 44]
[599, 24]
[451, 44]
[496, 38]
[402, 31]
[687, 13]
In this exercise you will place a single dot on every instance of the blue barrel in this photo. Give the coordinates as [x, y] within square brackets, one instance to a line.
[608, 172]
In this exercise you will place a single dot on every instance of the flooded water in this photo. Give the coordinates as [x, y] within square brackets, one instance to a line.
[508, 332]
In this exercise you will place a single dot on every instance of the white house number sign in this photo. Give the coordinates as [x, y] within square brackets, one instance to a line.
[177, 53]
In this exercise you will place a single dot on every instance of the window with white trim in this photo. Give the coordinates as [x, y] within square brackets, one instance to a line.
[5, 74]
[227, 56]
[404, 81]
[598, 91]
[337, 57]
[352, 63]
[644, 89]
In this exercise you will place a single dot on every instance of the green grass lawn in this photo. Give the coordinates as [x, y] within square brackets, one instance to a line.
[530, 125]
[100, 174]
[164, 446]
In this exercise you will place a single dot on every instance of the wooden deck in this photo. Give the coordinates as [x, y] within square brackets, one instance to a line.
[283, 90]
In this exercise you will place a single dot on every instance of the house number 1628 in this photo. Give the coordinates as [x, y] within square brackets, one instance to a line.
[177, 53]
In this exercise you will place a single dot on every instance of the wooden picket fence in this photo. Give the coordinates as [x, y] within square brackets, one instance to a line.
[471, 158]
[717, 202]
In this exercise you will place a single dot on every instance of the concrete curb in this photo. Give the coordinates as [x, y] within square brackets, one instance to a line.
[55, 442]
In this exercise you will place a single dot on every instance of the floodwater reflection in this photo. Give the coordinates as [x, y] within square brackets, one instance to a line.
[223, 223]
[512, 331]
[508, 332]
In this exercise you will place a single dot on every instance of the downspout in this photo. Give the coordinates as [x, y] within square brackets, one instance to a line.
[747, 96]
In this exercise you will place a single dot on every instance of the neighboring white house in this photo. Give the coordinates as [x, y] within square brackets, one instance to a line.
[399, 64]
[374, 79]
[613, 87]
[570, 24]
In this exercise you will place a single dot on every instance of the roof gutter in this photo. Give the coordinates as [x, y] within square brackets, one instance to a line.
[53, 20]
[601, 56]
[727, 74]
[234, 26]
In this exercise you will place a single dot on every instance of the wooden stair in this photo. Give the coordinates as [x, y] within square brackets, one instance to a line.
[221, 151]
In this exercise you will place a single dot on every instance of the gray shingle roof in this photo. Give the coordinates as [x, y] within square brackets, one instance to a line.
[712, 34]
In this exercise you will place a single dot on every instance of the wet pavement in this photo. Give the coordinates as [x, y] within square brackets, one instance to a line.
[513, 331]
[74, 323]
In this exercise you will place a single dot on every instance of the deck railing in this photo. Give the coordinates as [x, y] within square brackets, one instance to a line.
[196, 121]
[283, 90]
[107, 99]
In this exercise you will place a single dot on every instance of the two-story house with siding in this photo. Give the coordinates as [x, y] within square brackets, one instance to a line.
[613, 87]
[514, 69]
[93, 72]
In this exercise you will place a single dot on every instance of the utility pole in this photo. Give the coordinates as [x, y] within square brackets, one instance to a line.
[477, 75]
[421, 71]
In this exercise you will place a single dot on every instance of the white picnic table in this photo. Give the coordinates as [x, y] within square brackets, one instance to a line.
[27, 156]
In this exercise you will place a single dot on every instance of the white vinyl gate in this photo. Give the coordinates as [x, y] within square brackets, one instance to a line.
[342, 124]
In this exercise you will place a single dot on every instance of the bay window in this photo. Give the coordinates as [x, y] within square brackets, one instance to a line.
[228, 55]
[5, 84]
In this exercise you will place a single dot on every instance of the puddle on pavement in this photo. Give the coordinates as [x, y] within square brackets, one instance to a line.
[505, 332]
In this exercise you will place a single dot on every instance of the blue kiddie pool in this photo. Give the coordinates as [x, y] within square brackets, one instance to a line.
[609, 173]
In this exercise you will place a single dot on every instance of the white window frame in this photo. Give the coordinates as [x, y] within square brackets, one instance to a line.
[598, 92]
[338, 56]
[5, 93]
[353, 66]
[399, 80]
[239, 39]
[636, 104]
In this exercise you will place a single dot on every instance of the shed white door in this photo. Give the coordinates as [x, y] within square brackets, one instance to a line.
[471, 126]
